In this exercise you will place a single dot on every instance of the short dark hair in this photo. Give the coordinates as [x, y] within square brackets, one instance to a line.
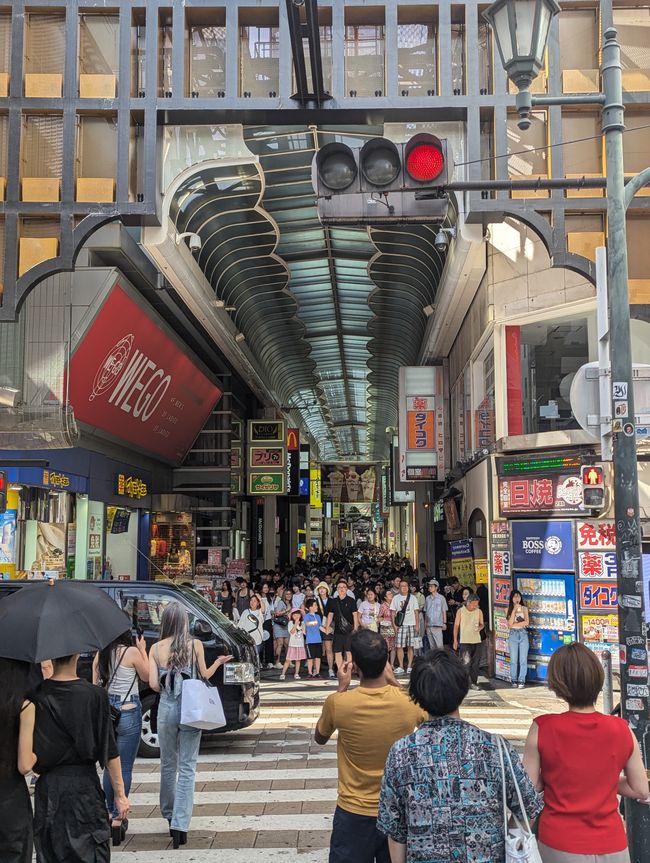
[439, 682]
[472, 597]
[342, 581]
[369, 653]
[575, 675]
[310, 603]
[58, 661]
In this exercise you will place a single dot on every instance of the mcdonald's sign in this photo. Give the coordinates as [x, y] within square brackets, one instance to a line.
[293, 440]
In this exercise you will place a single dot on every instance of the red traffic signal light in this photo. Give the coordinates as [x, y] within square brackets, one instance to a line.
[424, 158]
[593, 475]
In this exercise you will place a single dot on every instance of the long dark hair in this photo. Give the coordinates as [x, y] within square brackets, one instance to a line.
[511, 605]
[174, 624]
[14, 677]
[226, 586]
[110, 656]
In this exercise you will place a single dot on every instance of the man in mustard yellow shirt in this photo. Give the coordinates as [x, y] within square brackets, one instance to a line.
[369, 719]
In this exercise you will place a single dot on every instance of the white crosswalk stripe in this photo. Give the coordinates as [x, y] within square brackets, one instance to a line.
[267, 787]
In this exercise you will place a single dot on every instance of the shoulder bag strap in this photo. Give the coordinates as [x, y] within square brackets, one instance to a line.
[503, 751]
[117, 665]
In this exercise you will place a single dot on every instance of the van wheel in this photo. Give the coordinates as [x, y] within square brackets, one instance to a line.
[148, 737]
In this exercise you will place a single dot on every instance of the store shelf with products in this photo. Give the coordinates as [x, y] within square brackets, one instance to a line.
[171, 547]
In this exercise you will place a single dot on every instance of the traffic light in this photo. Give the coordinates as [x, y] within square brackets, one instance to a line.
[383, 182]
[3, 491]
[593, 486]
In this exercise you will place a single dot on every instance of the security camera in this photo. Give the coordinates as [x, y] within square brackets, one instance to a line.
[195, 242]
[441, 242]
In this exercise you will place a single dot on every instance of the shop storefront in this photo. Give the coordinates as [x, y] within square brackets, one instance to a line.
[38, 529]
[88, 525]
[172, 539]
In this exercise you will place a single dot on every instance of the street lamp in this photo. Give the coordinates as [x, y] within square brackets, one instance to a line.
[521, 29]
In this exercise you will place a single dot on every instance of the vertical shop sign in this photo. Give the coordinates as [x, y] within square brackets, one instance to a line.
[421, 418]
[293, 461]
[267, 464]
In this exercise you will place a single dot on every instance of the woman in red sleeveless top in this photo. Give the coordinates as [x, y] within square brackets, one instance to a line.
[577, 759]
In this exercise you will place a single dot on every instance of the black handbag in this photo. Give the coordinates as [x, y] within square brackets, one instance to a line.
[401, 614]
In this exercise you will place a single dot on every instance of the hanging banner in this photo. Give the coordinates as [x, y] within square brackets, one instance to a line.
[349, 483]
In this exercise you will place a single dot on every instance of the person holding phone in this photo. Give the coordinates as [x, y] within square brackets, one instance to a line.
[117, 669]
[518, 622]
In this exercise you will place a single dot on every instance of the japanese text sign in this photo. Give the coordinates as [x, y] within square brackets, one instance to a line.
[501, 588]
[596, 595]
[501, 563]
[597, 564]
[596, 535]
[535, 495]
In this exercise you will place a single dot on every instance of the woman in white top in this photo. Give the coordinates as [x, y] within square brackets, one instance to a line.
[117, 668]
[369, 611]
[252, 622]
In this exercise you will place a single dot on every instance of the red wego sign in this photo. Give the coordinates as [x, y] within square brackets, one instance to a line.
[130, 379]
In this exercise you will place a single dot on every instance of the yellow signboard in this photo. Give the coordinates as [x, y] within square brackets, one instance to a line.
[481, 570]
[315, 498]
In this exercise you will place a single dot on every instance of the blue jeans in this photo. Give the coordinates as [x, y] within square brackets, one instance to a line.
[518, 640]
[179, 751]
[355, 839]
[128, 740]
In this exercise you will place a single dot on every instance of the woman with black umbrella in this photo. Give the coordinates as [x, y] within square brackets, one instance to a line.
[16, 759]
[73, 732]
[73, 729]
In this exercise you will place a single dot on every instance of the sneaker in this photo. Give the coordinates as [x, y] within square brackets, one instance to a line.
[399, 670]
[522, 685]
[514, 685]
[282, 677]
[269, 666]
[296, 677]
[409, 670]
[332, 675]
[278, 665]
[475, 686]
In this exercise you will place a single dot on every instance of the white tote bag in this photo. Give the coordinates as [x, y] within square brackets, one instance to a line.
[200, 703]
[521, 844]
[201, 706]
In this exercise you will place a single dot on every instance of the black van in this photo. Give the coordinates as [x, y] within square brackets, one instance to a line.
[143, 601]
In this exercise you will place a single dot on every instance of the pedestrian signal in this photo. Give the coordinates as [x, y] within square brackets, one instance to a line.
[3, 491]
[383, 182]
[593, 486]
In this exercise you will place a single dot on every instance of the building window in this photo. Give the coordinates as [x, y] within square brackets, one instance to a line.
[541, 362]
[417, 53]
[259, 52]
[364, 54]
[483, 399]
[206, 52]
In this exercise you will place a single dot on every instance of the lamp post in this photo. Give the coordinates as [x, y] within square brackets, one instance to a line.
[521, 29]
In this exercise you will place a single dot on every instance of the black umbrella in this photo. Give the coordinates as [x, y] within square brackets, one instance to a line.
[58, 618]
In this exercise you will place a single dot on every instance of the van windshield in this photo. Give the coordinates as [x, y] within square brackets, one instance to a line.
[207, 607]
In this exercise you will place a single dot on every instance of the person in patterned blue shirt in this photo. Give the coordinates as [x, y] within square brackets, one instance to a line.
[441, 795]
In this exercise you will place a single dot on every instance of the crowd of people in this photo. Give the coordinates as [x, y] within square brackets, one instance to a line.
[418, 783]
[304, 617]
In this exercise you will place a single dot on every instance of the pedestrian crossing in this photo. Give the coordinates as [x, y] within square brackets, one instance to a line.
[269, 791]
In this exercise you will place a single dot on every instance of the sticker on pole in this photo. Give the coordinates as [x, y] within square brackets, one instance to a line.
[619, 390]
[628, 430]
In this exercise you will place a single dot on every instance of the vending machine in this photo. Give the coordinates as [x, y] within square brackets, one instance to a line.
[551, 601]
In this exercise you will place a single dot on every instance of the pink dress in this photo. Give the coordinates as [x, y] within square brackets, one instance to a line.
[296, 643]
[384, 614]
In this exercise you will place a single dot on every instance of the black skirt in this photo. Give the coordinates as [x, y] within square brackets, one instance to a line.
[70, 818]
[16, 841]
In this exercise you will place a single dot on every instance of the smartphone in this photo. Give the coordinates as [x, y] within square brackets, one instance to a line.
[139, 632]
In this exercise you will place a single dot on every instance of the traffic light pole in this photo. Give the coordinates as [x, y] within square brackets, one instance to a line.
[635, 702]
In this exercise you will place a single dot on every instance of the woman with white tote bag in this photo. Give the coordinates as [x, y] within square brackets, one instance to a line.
[174, 659]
